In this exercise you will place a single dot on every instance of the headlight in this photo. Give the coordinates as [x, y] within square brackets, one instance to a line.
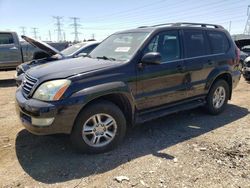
[51, 90]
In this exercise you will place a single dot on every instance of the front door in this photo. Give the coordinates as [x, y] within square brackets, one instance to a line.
[164, 83]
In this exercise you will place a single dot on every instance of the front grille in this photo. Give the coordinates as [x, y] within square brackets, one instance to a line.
[28, 84]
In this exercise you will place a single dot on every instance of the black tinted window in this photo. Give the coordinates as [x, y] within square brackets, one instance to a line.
[218, 42]
[6, 38]
[195, 44]
[167, 44]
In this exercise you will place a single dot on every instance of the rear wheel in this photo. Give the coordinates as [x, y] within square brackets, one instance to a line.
[98, 128]
[218, 97]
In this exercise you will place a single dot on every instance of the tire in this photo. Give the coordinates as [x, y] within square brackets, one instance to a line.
[215, 108]
[86, 130]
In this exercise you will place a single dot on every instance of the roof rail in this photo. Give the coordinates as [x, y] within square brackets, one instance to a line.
[178, 24]
[197, 24]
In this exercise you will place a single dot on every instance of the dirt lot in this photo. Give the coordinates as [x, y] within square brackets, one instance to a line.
[188, 149]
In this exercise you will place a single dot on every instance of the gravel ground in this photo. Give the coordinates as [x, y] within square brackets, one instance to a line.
[187, 149]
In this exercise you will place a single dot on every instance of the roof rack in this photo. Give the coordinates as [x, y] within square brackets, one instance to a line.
[179, 24]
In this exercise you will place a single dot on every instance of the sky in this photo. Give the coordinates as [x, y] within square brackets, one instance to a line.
[102, 18]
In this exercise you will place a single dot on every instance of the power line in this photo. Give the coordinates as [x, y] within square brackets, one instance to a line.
[58, 27]
[154, 18]
[75, 26]
[129, 10]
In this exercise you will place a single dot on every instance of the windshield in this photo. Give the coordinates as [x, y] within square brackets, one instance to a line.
[121, 46]
[72, 49]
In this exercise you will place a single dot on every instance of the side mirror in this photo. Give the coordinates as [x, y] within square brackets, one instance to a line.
[81, 55]
[151, 58]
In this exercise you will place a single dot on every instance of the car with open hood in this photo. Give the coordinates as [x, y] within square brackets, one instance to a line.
[50, 54]
[132, 77]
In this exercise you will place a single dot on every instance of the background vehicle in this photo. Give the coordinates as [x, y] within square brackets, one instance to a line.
[51, 54]
[131, 77]
[13, 52]
[246, 69]
[244, 46]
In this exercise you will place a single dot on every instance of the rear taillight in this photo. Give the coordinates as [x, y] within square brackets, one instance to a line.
[238, 53]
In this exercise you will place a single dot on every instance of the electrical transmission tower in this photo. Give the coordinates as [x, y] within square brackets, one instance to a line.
[50, 36]
[75, 26]
[23, 30]
[247, 26]
[35, 31]
[59, 27]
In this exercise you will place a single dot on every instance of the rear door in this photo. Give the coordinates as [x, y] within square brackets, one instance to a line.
[163, 83]
[10, 54]
[198, 61]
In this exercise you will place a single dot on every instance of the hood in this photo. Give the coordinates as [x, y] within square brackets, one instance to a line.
[69, 67]
[243, 42]
[42, 45]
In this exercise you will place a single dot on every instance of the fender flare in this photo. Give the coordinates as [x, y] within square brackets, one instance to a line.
[215, 74]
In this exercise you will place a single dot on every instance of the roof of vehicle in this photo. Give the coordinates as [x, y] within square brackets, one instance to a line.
[7, 32]
[173, 25]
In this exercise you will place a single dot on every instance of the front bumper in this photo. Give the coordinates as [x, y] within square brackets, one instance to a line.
[246, 72]
[33, 112]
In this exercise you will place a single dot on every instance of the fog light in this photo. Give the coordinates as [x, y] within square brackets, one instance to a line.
[42, 121]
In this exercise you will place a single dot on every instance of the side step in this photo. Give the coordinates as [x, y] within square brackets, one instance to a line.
[163, 111]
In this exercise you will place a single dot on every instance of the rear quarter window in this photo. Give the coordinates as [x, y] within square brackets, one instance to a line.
[218, 42]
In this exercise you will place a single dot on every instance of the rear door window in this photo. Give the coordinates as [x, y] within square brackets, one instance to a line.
[218, 42]
[195, 43]
[6, 38]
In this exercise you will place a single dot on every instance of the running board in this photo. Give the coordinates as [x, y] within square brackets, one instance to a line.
[157, 113]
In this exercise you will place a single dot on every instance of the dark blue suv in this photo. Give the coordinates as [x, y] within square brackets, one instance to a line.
[133, 76]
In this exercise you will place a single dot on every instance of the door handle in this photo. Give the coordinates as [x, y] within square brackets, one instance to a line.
[180, 68]
[13, 48]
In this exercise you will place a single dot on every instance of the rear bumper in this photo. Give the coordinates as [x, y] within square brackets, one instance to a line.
[236, 78]
[63, 114]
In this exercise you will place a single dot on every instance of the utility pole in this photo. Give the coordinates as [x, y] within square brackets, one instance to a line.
[50, 36]
[35, 31]
[230, 24]
[59, 27]
[23, 30]
[64, 36]
[247, 26]
[75, 26]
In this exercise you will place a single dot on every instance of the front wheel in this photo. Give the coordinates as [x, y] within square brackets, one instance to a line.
[218, 97]
[98, 128]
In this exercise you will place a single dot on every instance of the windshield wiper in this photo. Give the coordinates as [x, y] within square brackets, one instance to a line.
[106, 58]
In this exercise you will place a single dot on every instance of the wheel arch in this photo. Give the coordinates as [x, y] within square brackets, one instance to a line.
[222, 76]
[117, 93]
